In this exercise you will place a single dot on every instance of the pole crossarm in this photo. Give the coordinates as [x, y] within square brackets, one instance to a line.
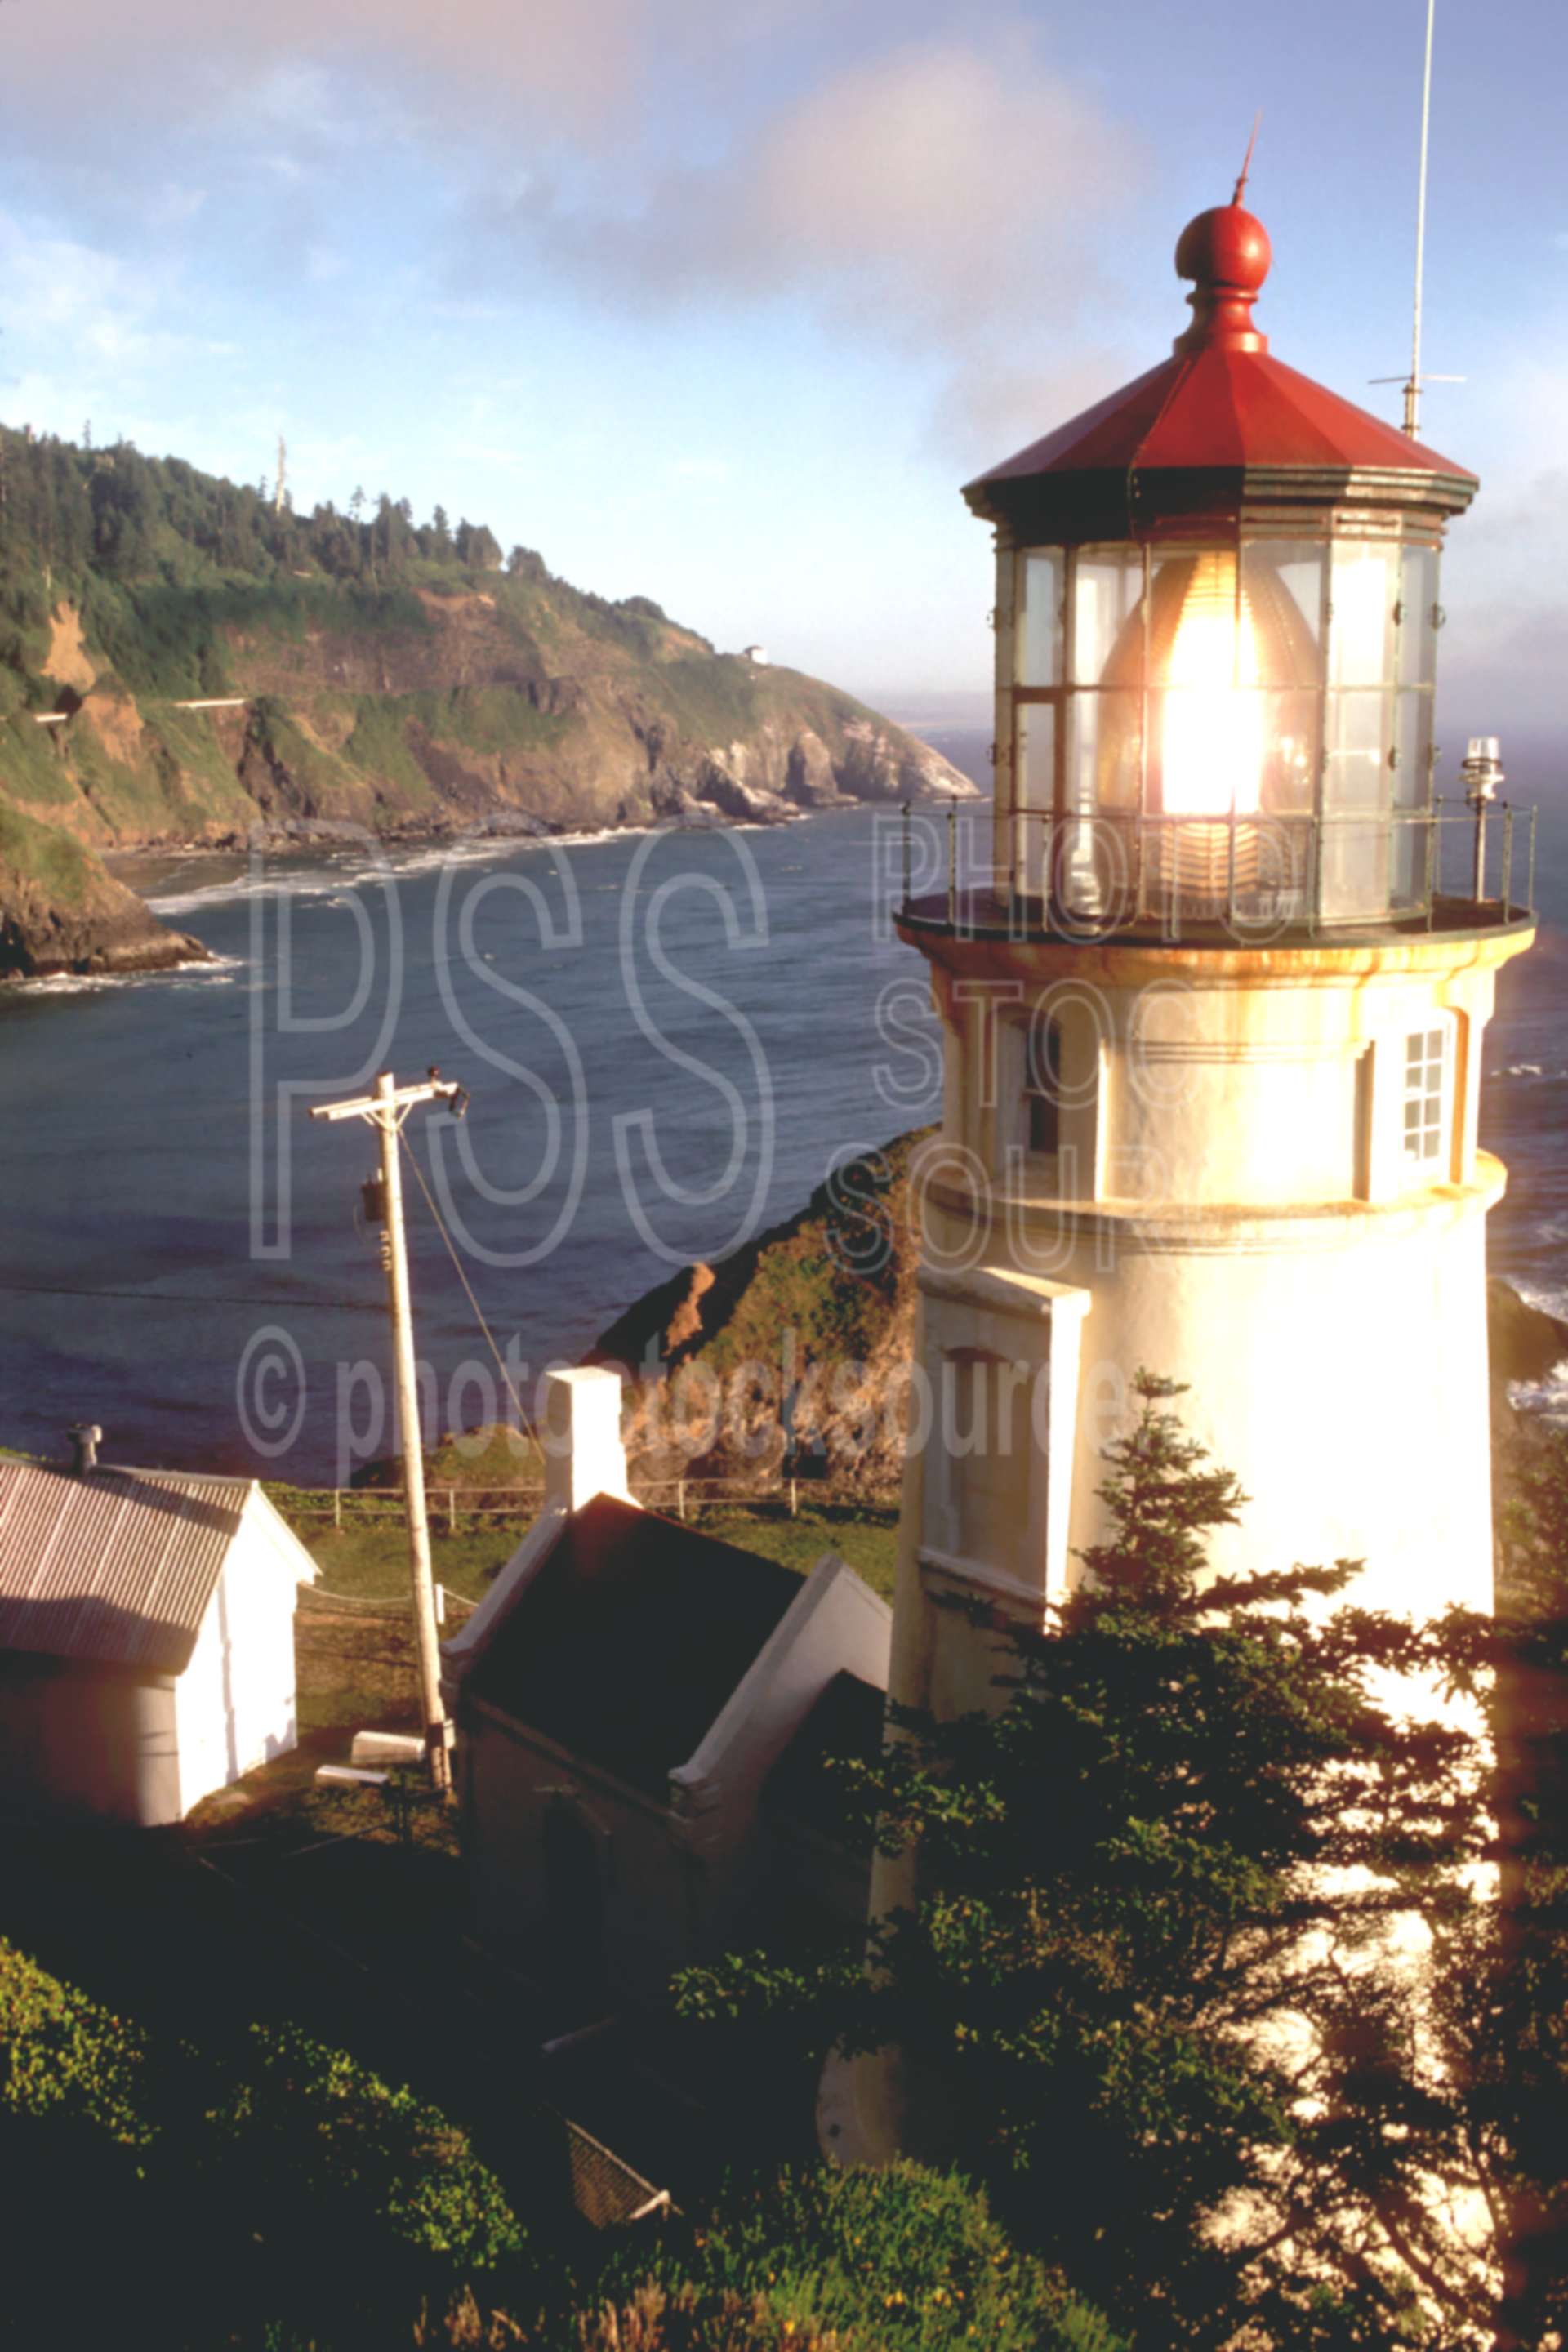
[401, 1100]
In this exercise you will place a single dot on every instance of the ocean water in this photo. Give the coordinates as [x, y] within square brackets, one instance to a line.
[668, 1040]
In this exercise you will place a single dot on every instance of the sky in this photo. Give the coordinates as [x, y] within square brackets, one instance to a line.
[720, 302]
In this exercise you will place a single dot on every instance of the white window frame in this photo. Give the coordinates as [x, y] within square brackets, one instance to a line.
[1427, 1087]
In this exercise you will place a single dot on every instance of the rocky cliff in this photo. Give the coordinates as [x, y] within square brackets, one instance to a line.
[198, 665]
[793, 1354]
[59, 911]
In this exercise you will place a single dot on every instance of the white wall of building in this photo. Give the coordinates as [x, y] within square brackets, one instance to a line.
[236, 1705]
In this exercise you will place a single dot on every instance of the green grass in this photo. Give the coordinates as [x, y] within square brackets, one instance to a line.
[368, 1557]
[371, 1559]
[60, 867]
[31, 768]
[865, 1536]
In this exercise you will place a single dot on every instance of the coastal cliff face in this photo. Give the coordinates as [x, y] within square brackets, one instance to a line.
[182, 681]
[793, 1354]
[59, 911]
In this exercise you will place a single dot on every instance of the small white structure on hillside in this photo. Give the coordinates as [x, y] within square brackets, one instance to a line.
[756, 654]
[644, 1717]
[146, 1639]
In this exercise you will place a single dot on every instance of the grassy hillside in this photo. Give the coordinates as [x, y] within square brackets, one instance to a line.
[359, 670]
[791, 1355]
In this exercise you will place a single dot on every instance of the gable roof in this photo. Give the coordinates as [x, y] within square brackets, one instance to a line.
[115, 1568]
[628, 1638]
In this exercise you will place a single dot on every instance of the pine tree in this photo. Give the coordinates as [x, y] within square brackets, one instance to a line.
[1145, 1979]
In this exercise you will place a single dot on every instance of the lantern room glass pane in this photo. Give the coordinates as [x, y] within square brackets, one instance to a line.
[1413, 750]
[1357, 765]
[1038, 642]
[1034, 786]
[1291, 751]
[1411, 793]
[1417, 616]
[1363, 590]
[1108, 584]
[1357, 853]
[1036, 768]
[1283, 583]
[1104, 752]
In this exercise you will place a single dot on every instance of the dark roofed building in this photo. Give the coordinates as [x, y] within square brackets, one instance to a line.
[622, 1697]
[630, 1637]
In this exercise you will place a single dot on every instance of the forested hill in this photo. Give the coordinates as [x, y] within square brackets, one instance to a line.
[367, 671]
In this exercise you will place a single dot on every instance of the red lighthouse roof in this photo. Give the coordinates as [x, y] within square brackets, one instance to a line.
[1217, 422]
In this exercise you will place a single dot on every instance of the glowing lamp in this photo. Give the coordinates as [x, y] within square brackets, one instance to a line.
[1216, 624]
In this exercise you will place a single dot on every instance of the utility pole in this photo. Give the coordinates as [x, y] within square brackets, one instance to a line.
[385, 1110]
[282, 474]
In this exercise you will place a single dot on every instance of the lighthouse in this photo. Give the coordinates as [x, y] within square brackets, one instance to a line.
[1213, 999]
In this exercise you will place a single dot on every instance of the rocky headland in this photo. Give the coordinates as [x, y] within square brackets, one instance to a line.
[182, 667]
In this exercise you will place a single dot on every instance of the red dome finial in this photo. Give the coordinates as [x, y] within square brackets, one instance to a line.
[1227, 251]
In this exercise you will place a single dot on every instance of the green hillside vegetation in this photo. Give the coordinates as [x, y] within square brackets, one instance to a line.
[373, 672]
[272, 2189]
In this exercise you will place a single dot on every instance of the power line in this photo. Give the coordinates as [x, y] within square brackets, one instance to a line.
[523, 1420]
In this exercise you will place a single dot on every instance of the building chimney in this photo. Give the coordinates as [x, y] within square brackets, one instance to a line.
[86, 1437]
[583, 1456]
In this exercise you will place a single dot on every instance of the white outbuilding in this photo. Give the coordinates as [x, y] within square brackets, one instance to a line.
[146, 1639]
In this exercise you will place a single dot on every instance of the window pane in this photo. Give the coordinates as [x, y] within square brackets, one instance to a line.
[1104, 752]
[1035, 766]
[1042, 1086]
[1107, 587]
[1425, 1099]
[1358, 772]
[1418, 610]
[1291, 750]
[1034, 788]
[1412, 746]
[1363, 591]
[1283, 602]
[1039, 622]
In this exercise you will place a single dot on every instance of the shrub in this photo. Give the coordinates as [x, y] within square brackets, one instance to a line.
[65, 2059]
[319, 2128]
[907, 2258]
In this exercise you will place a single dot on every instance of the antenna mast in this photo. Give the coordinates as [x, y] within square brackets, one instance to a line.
[1412, 389]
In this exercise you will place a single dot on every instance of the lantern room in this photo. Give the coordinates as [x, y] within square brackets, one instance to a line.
[1218, 616]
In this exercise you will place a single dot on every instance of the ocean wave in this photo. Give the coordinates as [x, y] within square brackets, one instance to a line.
[218, 970]
[67, 984]
[1544, 1400]
[352, 871]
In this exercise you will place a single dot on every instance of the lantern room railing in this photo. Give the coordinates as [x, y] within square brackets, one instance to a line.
[1248, 880]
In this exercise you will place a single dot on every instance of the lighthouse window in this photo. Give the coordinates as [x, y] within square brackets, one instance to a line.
[1042, 1086]
[1426, 1077]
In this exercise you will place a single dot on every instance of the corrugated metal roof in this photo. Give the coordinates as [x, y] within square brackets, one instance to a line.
[116, 1568]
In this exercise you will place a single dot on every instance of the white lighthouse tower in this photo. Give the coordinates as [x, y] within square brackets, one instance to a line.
[1213, 1017]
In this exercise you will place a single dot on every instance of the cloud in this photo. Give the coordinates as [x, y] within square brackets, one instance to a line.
[937, 187]
[576, 60]
[951, 199]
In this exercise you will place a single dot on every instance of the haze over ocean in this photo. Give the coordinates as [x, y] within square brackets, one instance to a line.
[128, 1148]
